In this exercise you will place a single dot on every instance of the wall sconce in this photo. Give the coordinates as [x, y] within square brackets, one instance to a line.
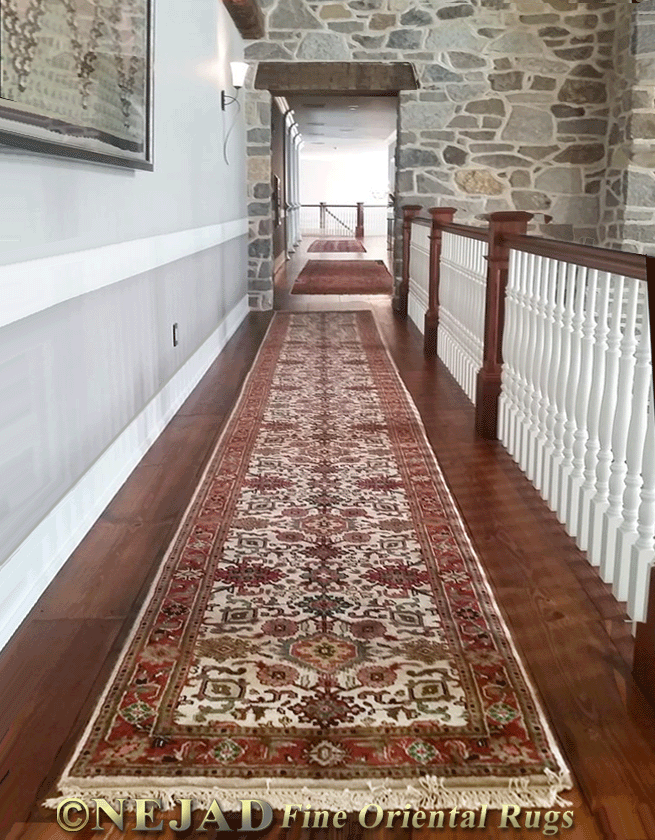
[238, 70]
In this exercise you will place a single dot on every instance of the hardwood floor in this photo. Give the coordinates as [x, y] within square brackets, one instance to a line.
[569, 630]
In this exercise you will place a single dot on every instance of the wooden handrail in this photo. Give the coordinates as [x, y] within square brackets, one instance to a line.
[603, 259]
[470, 231]
[467, 230]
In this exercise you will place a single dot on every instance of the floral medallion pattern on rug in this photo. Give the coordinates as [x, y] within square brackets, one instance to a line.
[320, 614]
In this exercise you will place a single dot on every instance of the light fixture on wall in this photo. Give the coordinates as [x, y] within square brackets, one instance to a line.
[238, 70]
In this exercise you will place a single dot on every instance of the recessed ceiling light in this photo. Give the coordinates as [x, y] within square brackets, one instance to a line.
[353, 107]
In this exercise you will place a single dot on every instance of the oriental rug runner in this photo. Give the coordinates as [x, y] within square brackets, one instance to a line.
[343, 277]
[338, 245]
[321, 630]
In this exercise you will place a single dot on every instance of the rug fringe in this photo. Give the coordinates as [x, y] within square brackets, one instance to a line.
[426, 793]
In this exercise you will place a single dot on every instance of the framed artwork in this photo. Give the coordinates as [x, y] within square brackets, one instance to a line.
[76, 79]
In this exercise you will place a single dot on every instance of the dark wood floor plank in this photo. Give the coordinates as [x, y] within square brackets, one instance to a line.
[49, 680]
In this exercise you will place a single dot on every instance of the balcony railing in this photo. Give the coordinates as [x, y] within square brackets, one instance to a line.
[343, 220]
[551, 342]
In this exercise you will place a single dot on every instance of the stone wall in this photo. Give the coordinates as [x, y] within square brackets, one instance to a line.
[629, 211]
[620, 86]
[512, 112]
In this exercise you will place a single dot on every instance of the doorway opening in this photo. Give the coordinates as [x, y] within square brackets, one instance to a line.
[333, 185]
[333, 143]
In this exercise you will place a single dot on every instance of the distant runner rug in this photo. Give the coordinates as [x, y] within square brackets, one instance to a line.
[339, 245]
[343, 277]
[321, 630]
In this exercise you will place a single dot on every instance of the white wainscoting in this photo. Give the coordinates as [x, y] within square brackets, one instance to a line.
[28, 571]
[33, 285]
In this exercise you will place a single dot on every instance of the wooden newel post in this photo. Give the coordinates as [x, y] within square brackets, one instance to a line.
[400, 298]
[440, 216]
[643, 663]
[643, 667]
[359, 226]
[488, 382]
[322, 215]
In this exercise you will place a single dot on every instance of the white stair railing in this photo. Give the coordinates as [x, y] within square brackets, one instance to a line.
[574, 404]
[462, 288]
[576, 409]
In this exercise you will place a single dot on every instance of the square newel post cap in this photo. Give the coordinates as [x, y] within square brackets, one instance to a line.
[411, 210]
[444, 215]
[510, 220]
[509, 216]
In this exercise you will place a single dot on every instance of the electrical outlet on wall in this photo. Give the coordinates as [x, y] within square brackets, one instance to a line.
[175, 335]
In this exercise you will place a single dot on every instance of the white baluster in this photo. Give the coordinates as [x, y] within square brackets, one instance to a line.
[544, 368]
[571, 391]
[582, 401]
[509, 361]
[643, 376]
[621, 420]
[526, 357]
[562, 382]
[528, 389]
[522, 339]
[643, 551]
[593, 410]
[536, 361]
[553, 447]
[599, 501]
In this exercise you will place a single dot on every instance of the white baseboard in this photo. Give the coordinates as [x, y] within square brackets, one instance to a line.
[33, 285]
[28, 571]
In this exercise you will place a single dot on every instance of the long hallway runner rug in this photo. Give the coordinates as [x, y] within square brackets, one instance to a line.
[336, 245]
[343, 277]
[321, 630]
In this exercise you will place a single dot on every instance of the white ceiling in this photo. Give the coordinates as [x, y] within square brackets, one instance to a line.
[344, 121]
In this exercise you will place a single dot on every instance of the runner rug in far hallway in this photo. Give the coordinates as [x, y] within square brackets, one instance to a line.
[321, 631]
[338, 245]
[343, 277]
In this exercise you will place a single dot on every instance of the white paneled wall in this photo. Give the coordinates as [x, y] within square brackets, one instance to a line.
[462, 291]
[419, 274]
[576, 410]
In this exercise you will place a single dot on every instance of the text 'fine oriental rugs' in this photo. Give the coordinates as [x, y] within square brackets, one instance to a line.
[343, 277]
[336, 245]
[321, 630]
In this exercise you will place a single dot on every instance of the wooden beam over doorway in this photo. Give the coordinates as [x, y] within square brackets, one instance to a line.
[365, 78]
[248, 17]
